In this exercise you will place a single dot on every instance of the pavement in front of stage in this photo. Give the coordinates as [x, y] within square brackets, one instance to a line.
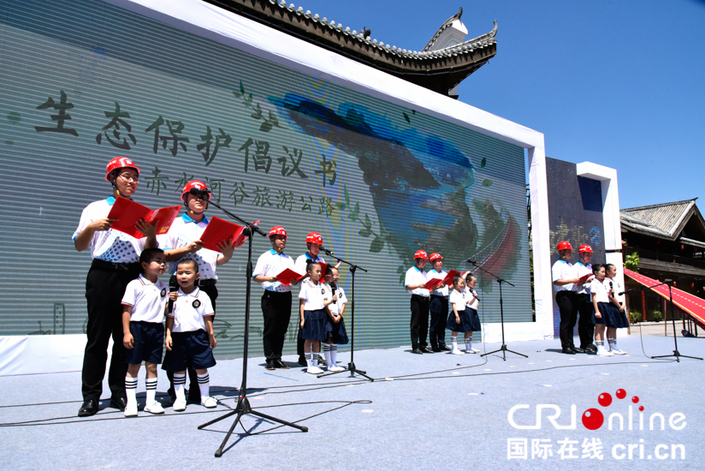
[426, 412]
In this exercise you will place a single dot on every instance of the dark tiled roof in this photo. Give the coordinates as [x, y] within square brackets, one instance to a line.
[665, 220]
[439, 70]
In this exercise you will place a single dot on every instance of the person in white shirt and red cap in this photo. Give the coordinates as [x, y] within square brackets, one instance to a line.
[415, 284]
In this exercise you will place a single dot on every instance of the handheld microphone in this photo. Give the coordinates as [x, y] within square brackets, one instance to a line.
[470, 260]
[173, 286]
[326, 251]
[202, 194]
[333, 287]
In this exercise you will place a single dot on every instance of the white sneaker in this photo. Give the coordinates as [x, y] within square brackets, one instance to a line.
[180, 405]
[457, 351]
[209, 402]
[604, 353]
[472, 350]
[617, 351]
[131, 409]
[314, 370]
[154, 408]
[336, 368]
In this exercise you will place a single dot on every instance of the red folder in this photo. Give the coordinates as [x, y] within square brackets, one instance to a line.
[448, 280]
[584, 278]
[286, 275]
[128, 213]
[219, 230]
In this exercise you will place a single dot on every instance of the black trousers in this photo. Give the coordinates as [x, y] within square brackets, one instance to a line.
[105, 287]
[567, 302]
[439, 316]
[419, 321]
[586, 329]
[276, 309]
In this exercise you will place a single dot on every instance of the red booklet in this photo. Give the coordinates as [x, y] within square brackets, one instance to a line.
[448, 280]
[128, 213]
[219, 230]
[584, 278]
[286, 275]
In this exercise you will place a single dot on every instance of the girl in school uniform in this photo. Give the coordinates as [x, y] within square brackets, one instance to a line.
[602, 315]
[618, 312]
[313, 299]
[335, 325]
[458, 321]
[473, 302]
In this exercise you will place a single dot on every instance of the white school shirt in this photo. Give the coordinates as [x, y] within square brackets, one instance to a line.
[433, 274]
[342, 299]
[314, 295]
[562, 270]
[598, 291]
[147, 300]
[616, 287]
[458, 298]
[111, 245]
[182, 232]
[581, 270]
[189, 311]
[271, 263]
[415, 276]
[472, 294]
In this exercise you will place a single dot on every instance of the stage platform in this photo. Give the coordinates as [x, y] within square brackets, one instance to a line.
[430, 412]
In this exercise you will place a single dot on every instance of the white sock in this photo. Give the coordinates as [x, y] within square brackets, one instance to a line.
[131, 389]
[333, 354]
[314, 359]
[454, 342]
[468, 344]
[612, 344]
[180, 386]
[151, 384]
[327, 354]
[309, 358]
[204, 384]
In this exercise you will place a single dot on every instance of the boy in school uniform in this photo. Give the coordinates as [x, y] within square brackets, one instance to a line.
[314, 241]
[115, 262]
[144, 306]
[190, 338]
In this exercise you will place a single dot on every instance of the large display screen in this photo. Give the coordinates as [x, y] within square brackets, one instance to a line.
[84, 81]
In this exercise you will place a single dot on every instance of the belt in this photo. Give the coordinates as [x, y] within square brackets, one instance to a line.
[438, 296]
[114, 266]
[207, 282]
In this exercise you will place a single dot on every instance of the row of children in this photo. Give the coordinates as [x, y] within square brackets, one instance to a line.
[593, 293]
[434, 299]
[117, 260]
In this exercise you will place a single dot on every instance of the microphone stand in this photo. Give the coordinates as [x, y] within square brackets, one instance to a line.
[676, 354]
[499, 280]
[243, 404]
[351, 366]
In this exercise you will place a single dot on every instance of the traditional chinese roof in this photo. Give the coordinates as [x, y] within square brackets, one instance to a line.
[665, 220]
[438, 70]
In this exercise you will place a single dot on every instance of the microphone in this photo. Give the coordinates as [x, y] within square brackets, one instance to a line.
[333, 287]
[202, 194]
[330, 253]
[470, 260]
[173, 286]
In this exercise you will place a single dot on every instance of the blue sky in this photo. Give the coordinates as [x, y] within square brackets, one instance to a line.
[615, 82]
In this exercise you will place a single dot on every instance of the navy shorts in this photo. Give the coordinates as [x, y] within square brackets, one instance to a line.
[149, 343]
[189, 349]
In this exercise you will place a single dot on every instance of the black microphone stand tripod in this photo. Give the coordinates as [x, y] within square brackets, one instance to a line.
[243, 404]
[676, 354]
[499, 280]
[351, 366]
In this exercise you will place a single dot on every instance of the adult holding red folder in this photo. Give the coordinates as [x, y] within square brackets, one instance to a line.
[115, 263]
[586, 328]
[415, 284]
[565, 277]
[438, 304]
[184, 241]
[314, 241]
[276, 299]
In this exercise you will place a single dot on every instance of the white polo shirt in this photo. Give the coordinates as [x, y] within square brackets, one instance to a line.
[301, 263]
[111, 245]
[458, 298]
[415, 276]
[314, 295]
[563, 270]
[472, 294]
[433, 274]
[148, 300]
[189, 311]
[616, 287]
[342, 300]
[598, 291]
[182, 232]
[581, 270]
[271, 263]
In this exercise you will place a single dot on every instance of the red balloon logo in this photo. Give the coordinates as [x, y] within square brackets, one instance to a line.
[593, 419]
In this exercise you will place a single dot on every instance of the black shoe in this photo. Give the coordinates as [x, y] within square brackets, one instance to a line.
[417, 351]
[446, 348]
[437, 349]
[118, 403]
[591, 348]
[426, 350]
[302, 361]
[89, 407]
[579, 350]
[281, 365]
[271, 365]
[322, 361]
[568, 350]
